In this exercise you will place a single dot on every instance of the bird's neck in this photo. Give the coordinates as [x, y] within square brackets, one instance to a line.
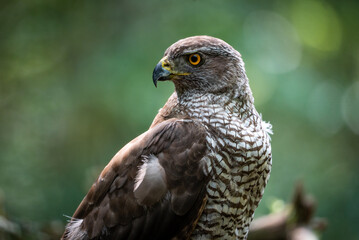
[189, 105]
[209, 104]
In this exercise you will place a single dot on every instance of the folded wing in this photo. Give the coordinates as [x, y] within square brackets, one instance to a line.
[153, 188]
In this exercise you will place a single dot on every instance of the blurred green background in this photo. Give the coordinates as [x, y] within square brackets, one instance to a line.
[75, 86]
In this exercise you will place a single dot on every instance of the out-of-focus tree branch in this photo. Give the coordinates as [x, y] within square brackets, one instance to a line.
[296, 222]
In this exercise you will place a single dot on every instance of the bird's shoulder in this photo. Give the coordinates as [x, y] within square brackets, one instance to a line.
[168, 111]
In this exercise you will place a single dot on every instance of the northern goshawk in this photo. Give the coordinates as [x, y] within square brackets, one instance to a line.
[200, 170]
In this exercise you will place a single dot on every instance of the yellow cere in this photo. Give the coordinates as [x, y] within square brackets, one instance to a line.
[167, 66]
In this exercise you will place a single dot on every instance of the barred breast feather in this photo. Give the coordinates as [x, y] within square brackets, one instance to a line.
[239, 163]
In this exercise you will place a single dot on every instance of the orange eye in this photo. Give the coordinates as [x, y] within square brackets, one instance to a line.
[194, 59]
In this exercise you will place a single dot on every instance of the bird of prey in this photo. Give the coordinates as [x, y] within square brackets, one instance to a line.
[200, 170]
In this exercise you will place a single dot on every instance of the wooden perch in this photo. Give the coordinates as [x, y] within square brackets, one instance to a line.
[294, 223]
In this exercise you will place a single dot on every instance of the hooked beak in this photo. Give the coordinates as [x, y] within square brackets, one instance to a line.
[161, 72]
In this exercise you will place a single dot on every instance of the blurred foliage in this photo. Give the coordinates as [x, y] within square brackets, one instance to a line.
[75, 86]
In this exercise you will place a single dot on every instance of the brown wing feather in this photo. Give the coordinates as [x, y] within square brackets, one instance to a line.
[111, 211]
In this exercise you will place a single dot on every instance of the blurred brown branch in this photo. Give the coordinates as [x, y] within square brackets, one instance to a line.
[294, 223]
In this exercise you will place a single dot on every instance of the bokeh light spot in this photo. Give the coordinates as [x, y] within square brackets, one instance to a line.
[272, 41]
[350, 107]
[324, 108]
[317, 24]
[262, 85]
